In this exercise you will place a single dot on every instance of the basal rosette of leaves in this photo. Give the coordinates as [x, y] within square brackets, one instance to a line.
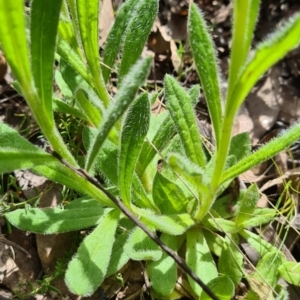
[180, 202]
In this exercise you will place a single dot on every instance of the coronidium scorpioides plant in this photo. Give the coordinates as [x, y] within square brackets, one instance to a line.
[179, 202]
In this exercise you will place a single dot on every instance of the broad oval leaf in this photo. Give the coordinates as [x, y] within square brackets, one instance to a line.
[290, 272]
[222, 286]
[199, 259]
[87, 269]
[163, 273]
[139, 246]
[168, 196]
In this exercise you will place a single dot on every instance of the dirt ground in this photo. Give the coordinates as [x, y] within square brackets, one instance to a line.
[272, 106]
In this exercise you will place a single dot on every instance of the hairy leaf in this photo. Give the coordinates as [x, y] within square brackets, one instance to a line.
[87, 269]
[181, 110]
[56, 220]
[199, 259]
[133, 133]
[140, 247]
[205, 60]
[168, 196]
[137, 33]
[115, 37]
[122, 100]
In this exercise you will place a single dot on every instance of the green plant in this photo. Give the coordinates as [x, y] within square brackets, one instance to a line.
[183, 199]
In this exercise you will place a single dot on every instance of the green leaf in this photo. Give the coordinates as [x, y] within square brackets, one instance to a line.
[246, 205]
[140, 196]
[18, 153]
[205, 60]
[122, 100]
[11, 159]
[140, 247]
[240, 145]
[266, 270]
[43, 30]
[214, 241]
[115, 37]
[174, 224]
[265, 152]
[199, 259]
[61, 174]
[290, 272]
[137, 33]
[259, 217]
[91, 112]
[231, 260]
[181, 110]
[12, 37]
[134, 131]
[245, 15]
[56, 220]
[222, 287]
[107, 159]
[87, 269]
[63, 107]
[275, 47]
[257, 242]
[220, 224]
[168, 196]
[162, 136]
[88, 15]
[188, 170]
[118, 256]
[163, 273]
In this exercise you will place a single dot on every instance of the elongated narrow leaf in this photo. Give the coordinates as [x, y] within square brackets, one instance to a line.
[61, 174]
[265, 152]
[205, 60]
[245, 14]
[267, 54]
[259, 217]
[199, 259]
[181, 110]
[18, 153]
[140, 247]
[133, 134]
[43, 27]
[91, 112]
[88, 15]
[137, 33]
[115, 37]
[168, 196]
[122, 100]
[11, 160]
[13, 40]
[231, 260]
[163, 273]
[63, 107]
[87, 269]
[107, 159]
[246, 205]
[164, 130]
[56, 220]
